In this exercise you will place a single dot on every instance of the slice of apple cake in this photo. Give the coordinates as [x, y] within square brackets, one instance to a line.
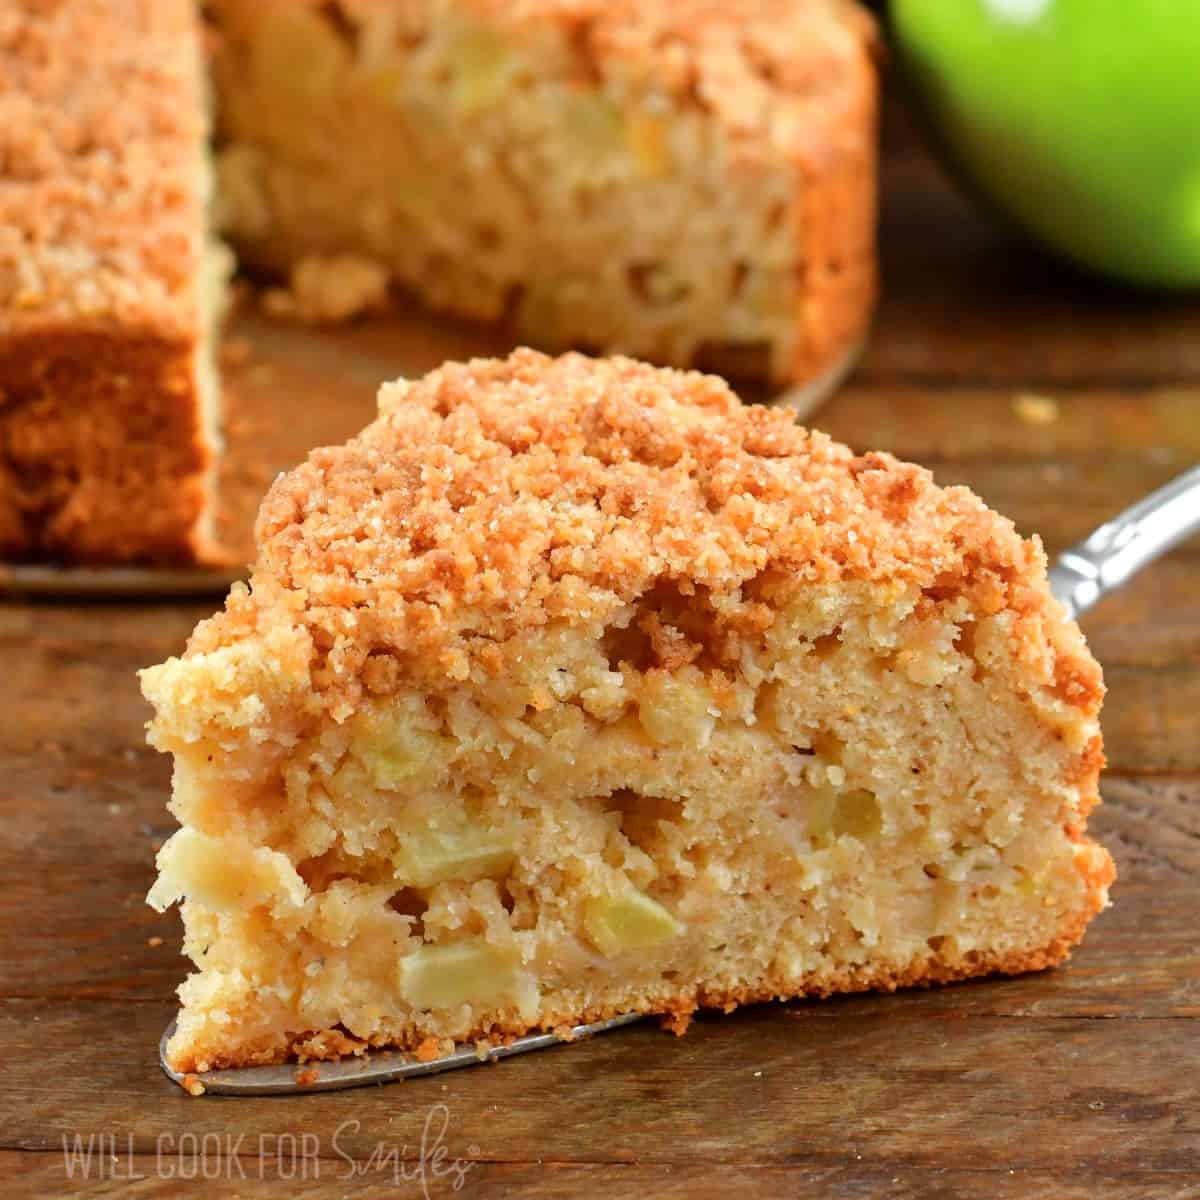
[574, 687]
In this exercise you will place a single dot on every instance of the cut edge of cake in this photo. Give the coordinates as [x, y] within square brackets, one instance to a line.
[688, 183]
[574, 687]
[111, 287]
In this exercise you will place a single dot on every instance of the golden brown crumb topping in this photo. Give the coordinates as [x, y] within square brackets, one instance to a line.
[499, 495]
[771, 67]
[736, 55]
[101, 139]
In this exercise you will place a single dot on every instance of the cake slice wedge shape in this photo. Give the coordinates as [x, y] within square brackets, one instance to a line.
[575, 687]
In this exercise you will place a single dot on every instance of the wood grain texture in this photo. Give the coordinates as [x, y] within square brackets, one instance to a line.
[155, 1175]
[768, 1084]
[1081, 1082]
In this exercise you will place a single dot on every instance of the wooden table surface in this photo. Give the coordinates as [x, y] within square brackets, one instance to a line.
[1082, 1082]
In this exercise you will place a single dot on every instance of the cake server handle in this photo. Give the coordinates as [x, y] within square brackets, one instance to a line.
[1104, 560]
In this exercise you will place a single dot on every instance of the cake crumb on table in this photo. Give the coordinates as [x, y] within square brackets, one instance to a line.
[428, 1050]
[236, 352]
[1032, 409]
[329, 289]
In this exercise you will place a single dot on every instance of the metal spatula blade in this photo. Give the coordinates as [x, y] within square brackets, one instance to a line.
[377, 1066]
[1079, 578]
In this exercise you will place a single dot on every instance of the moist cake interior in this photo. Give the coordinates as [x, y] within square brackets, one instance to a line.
[682, 184]
[574, 688]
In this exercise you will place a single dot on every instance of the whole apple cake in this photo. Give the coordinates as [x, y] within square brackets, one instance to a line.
[690, 181]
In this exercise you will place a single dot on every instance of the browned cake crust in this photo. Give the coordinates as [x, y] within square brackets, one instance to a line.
[103, 454]
[758, 63]
[495, 495]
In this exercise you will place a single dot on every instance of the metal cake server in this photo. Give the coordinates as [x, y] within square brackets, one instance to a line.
[378, 1066]
[1120, 548]
[1080, 577]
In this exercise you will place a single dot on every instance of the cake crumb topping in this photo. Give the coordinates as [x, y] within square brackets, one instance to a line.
[101, 129]
[496, 496]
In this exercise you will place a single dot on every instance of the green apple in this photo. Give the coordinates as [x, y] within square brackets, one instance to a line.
[1078, 119]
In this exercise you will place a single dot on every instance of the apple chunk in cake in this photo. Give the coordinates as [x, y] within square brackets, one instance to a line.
[573, 687]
